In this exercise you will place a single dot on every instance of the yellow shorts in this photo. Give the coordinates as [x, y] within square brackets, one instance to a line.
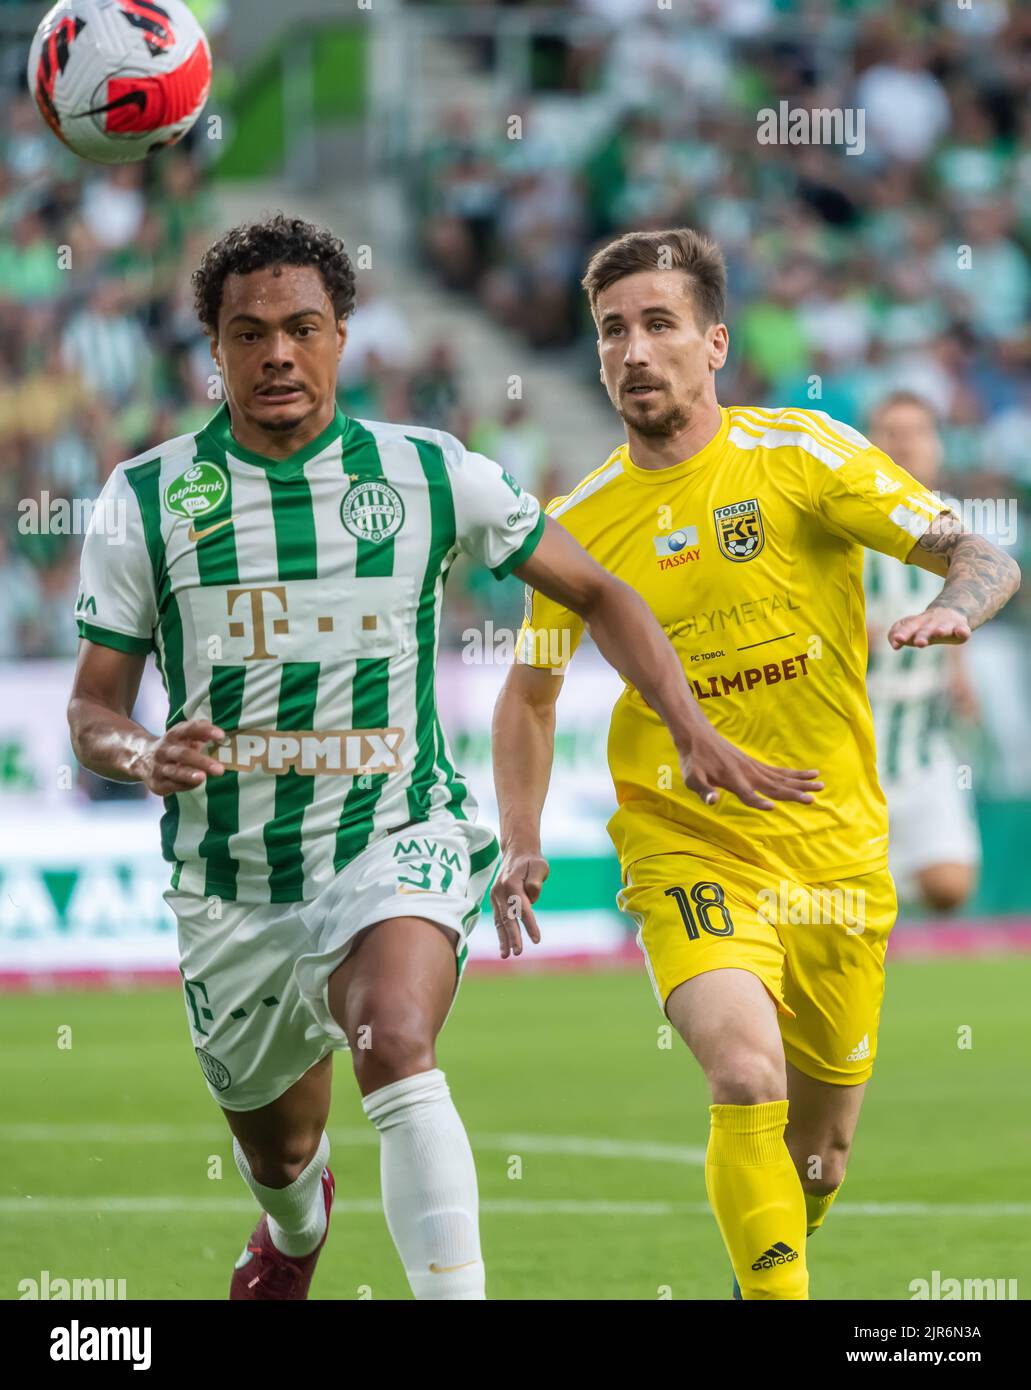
[818, 948]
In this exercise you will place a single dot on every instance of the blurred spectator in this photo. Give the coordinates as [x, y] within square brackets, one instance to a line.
[378, 337]
[113, 206]
[907, 110]
[108, 346]
[521, 445]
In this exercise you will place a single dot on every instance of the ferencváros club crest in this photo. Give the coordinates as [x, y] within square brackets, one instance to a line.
[198, 491]
[372, 510]
[215, 1071]
[739, 530]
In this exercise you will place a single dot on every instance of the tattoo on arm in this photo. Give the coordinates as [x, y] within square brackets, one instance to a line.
[980, 577]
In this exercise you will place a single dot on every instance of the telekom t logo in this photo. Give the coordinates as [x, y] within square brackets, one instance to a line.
[259, 624]
[266, 608]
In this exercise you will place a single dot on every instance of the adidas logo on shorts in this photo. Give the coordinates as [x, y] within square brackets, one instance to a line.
[779, 1254]
[861, 1051]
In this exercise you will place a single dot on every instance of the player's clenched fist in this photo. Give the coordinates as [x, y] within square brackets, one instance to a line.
[177, 761]
[516, 888]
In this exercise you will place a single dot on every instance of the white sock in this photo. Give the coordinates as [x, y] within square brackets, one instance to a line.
[429, 1186]
[296, 1214]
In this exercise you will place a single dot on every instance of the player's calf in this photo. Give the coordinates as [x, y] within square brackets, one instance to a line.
[819, 1136]
[281, 1150]
[729, 1021]
[391, 996]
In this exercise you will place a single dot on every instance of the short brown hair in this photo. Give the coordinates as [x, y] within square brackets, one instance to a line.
[903, 397]
[680, 248]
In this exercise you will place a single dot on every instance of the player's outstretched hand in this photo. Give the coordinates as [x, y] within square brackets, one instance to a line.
[177, 762]
[929, 628]
[713, 762]
[516, 888]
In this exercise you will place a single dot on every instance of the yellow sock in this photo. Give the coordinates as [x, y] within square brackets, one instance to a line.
[757, 1198]
[816, 1208]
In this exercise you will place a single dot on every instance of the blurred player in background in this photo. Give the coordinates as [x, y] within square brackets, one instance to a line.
[933, 844]
[286, 563]
[744, 529]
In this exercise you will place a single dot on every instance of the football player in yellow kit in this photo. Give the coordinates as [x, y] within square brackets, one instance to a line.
[764, 933]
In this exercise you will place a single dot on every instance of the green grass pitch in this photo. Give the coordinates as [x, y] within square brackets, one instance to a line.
[588, 1137]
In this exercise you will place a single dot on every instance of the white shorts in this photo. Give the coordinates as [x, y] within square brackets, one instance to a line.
[931, 821]
[255, 975]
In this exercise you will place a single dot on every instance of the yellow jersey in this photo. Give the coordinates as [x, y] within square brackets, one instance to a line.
[750, 554]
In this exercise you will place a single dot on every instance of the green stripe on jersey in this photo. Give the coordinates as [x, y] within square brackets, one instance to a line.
[145, 481]
[455, 781]
[225, 694]
[119, 641]
[873, 574]
[370, 690]
[217, 563]
[934, 722]
[298, 695]
[370, 710]
[442, 539]
[520, 556]
[480, 858]
[293, 518]
[897, 716]
[362, 463]
[216, 552]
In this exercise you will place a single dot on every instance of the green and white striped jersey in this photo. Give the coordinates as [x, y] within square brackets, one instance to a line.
[296, 603]
[907, 687]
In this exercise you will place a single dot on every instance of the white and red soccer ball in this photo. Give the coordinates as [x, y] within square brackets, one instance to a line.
[115, 79]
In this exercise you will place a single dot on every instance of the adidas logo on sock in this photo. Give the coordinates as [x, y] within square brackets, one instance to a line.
[779, 1254]
[861, 1051]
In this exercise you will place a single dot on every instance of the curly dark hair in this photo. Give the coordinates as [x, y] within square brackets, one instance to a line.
[277, 240]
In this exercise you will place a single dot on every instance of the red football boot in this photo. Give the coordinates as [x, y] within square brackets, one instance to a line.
[262, 1271]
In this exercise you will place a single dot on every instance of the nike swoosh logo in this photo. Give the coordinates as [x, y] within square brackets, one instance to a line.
[196, 535]
[137, 99]
[449, 1269]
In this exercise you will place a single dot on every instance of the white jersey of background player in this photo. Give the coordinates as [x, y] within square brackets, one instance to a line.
[934, 850]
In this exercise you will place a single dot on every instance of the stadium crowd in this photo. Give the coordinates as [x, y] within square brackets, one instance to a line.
[102, 357]
[901, 262]
[906, 263]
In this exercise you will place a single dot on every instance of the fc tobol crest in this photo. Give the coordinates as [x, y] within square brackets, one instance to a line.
[739, 530]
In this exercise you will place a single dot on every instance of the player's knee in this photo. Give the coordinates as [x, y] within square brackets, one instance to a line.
[747, 1077]
[947, 886]
[824, 1171]
[281, 1163]
[392, 1048]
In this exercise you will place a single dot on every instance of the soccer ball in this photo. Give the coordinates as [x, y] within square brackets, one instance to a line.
[115, 79]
